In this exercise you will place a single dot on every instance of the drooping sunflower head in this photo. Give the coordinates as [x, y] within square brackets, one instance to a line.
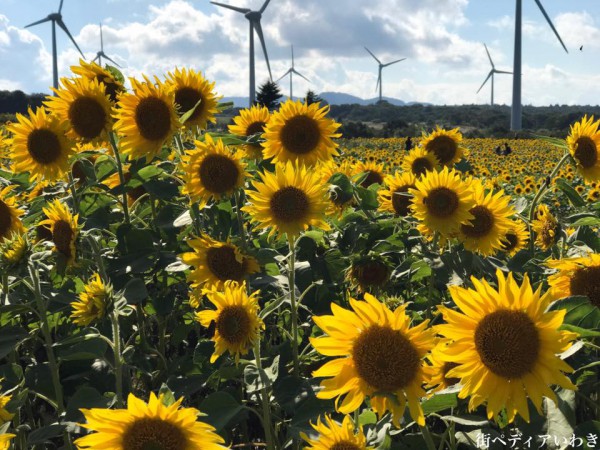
[333, 436]
[92, 71]
[419, 161]
[442, 201]
[584, 146]
[505, 344]
[370, 172]
[40, 145]
[217, 262]
[378, 355]
[212, 171]
[64, 229]
[546, 228]
[251, 122]
[368, 273]
[445, 145]
[152, 426]
[190, 87]
[147, 119]
[300, 133]
[93, 302]
[9, 215]
[395, 198]
[237, 324]
[288, 201]
[84, 106]
[14, 248]
[515, 238]
[576, 276]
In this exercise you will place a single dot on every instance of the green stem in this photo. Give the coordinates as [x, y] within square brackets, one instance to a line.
[74, 193]
[430, 285]
[114, 320]
[115, 148]
[238, 206]
[264, 396]
[98, 258]
[427, 437]
[197, 220]
[292, 284]
[5, 289]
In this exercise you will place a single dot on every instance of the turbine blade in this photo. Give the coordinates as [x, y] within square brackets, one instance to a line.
[234, 8]
[98, 55]
[47, 19]
[264, 6]
[259, 31]
[284, 75]
[292, 56]
[101, 39]
[378, 82]
[300, 75]
[66, 30]
[371, 53]
[483, 84]
[489, 57]
[551, 24]
[393, 62]
[111, 60]
[60, 6]
[502, 71]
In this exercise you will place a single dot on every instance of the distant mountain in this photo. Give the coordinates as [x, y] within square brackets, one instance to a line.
[333, 98]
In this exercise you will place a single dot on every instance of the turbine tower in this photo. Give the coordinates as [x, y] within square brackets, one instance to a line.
[517, 108]
[254, 20]
[381, 66]
[491, 74]
[291, 71]
[56, 19]
[101, 54]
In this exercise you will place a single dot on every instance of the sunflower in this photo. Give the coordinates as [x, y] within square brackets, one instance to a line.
[14, 248]
[395, 197]
[237, 325]
[151, 425]
[438, 370]
[576, 276]
[584, 145]
[9, 215]
[288, 201]
[146, 119]
[515, 239]
[485, 232]
[84, 106]
[249, 123]
[93, 302]
[217, 262]
[40, 145]
[546, 227]
[525, 365]
[445, 145]
[190, 87]
[211, 171]
[373, 172]
[379, 356]
[368, 273]
[419, 162]
[300, 133]
[336, 437]
[64, 228]
[5, 416]
[5, 440]
[92, 71]
[442, 201]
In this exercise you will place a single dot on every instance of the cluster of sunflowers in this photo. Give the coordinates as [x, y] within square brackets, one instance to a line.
[143, 256]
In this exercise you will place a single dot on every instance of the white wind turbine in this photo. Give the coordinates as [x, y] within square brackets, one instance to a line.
[517, 108]
[491, 74]
[101, 54]
[56, 19]
[254, 19]
[291, 71]
[381, 66]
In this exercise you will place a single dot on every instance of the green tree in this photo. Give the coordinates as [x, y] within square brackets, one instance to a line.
[268, 95]
[312, 97]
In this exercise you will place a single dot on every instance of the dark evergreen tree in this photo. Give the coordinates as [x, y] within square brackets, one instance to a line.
[312, 97]
[268, 95]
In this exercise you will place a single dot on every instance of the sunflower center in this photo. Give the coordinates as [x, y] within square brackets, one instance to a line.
[186, 98]
[233, 324]
[223, 263]
[62, 236]
[153, 118]
[153, 434]
[371, 273]
[586, 281]
[289, 204]
[444, 148]
[420, 166]
[447, 367]
[510, 241]
[5, 220]
[508, 343]
[480, 225]
[87, 117]
[255, 127]
[218, 173]
[385, 358]
[344, 445]
[43, 146]
[401, 202]
[300, 135]
[441, 202]
[586, 152]
[372, 177]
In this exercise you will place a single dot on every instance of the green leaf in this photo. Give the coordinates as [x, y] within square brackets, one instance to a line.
[341, 188]
[257, 379]
[224, 106]
[10, 337]
[44, 434]
[586, 221]
[185, 116]
[135, 291]
[85, 397]
[419, 270]
[571, 193]
[88, 349]
[587, 431]
[220, 408]
[149, 172]
[184, 219]
[580, 312]
[583, 333]
[367, 417]
[439, 402]
[115, 73]
[368, 198]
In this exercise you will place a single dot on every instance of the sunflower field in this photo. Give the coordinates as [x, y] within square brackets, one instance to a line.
[165, 287]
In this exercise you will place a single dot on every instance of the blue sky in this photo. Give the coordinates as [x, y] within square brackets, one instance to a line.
[441, 39]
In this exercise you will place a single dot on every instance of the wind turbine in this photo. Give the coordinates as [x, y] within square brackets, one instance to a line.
[254, 19]
[381, 66]
[101, 54]
[517, 108]
[291, 71]
[56, 19]
[491, 74]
